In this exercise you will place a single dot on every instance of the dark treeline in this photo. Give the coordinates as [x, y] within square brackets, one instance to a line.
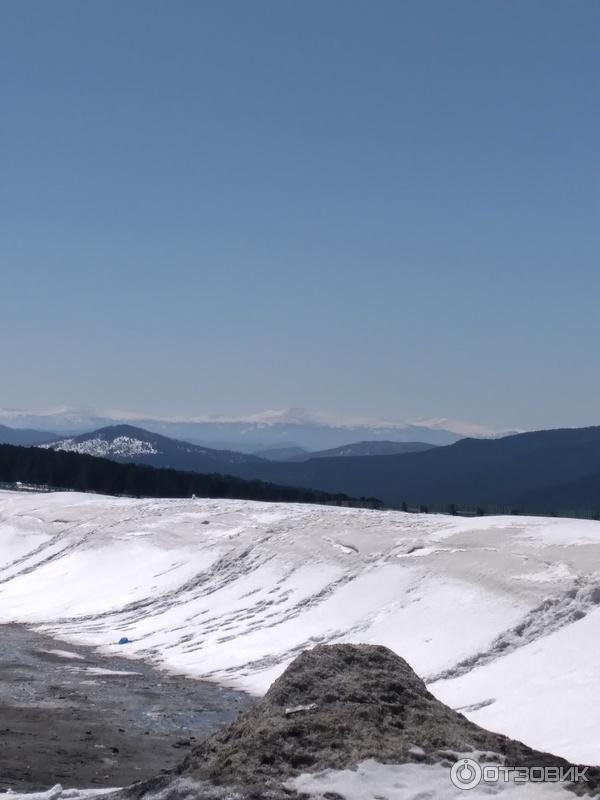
[83, 473]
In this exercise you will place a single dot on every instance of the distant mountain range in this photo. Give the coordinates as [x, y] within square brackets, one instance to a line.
[126, 443]
[272, 429]
[543, 471]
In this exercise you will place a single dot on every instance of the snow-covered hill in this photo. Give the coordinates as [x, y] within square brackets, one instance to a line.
[96, 445]
[501, 615]
[128, 443]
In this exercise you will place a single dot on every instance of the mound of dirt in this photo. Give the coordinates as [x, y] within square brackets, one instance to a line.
[334, 707]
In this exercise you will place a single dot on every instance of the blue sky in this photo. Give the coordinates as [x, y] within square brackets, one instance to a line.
[377, 208]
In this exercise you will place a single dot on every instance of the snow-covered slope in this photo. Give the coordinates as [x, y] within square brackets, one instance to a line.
[127, 443]
[501, 615]
[118, 446]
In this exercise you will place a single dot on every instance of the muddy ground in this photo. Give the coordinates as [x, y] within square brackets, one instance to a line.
[84, 720]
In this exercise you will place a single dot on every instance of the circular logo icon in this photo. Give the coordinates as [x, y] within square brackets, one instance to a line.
[466, 774]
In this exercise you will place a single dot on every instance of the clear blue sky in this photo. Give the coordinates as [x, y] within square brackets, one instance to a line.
[377, 208]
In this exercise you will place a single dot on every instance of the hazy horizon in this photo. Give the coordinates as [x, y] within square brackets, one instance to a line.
[38, 416]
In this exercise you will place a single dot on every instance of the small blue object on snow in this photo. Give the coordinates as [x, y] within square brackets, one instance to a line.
[123, 640]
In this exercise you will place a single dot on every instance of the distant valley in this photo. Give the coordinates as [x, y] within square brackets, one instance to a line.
[376, 448]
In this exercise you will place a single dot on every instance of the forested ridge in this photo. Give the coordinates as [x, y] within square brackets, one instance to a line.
[83, 473]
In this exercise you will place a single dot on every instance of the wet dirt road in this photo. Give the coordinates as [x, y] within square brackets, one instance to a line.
[71, 716]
